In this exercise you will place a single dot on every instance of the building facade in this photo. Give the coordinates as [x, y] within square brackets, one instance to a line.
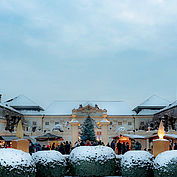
[65, 118]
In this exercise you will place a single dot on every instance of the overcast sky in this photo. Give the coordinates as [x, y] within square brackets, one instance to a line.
[88, 49]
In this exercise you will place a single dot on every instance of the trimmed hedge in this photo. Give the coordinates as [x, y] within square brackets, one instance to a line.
[165, 164]
[118, 165]
[137, 164]
[92, 161]
[16, 163]
[49, 163]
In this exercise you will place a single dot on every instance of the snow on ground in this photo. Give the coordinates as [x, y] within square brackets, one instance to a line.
[87, 153]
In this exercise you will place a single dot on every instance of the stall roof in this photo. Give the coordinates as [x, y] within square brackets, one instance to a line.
[134, 136]
[11, 138]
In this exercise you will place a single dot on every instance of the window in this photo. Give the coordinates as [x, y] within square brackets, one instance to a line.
[142, 123]
[34, 123]
[99, 136]
[129, 123]
[119, 123]
[46, 123]
[56, 123]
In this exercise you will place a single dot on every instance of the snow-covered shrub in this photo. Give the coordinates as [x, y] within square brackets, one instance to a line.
[68, 170]
[92, 161]
[137, 164]
[49, 163]
[118, 165]
[165, 164]
[16, 163]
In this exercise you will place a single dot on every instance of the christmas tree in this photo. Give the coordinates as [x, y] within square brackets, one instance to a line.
[88, 130]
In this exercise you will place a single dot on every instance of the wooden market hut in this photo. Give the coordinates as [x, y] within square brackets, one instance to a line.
[49, 139]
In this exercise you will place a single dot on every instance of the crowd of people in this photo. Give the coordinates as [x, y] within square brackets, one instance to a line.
[64, 147]
[122, 148]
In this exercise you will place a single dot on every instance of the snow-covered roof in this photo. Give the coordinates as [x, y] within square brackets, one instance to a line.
[31, 113]
[9, 108]
[147, 112]
[22, 103]
[134, 136]
[174, 104]
[66, 107]
[155, 100]
[21, 100]
[171, 136]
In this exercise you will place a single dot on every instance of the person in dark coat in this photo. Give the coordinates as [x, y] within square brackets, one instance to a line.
[38, 147]
[127, 146]
[67, 148]
[61, 149]
[138, 146]
[175, 147]
[123, 148]
[43, 148]
[31, 148]
[113, 145]
[53, 146]
[119, 147]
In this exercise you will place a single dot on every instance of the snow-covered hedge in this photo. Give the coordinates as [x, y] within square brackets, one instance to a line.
[92, 161]
[49, 163]
[137, 164]
[16, 163]
[118, 165]
[165, 164]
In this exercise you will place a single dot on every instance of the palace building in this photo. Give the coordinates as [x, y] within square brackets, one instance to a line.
[65, 118]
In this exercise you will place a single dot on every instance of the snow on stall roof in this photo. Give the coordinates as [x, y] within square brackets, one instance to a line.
[66, 107]
[155, 100]
[164, 158]
[88, 153]
[48, 156]
[134, 136]
[21, 100]
[171, 136]
[15, 158]
[160, 140]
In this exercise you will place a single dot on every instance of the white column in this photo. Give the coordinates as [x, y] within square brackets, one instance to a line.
[104, 127]
[74, 130]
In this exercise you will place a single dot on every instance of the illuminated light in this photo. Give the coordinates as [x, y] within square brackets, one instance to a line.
[98, 124]
[161, 131]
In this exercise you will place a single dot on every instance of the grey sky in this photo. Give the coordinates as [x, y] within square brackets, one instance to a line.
[88, 49]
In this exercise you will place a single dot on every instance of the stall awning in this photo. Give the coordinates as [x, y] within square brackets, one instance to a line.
[11, 138]
[49, 136]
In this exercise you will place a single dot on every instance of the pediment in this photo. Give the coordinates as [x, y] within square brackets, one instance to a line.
[89, 109]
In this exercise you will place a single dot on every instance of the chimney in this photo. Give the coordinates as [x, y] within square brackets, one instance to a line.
[0, 97]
